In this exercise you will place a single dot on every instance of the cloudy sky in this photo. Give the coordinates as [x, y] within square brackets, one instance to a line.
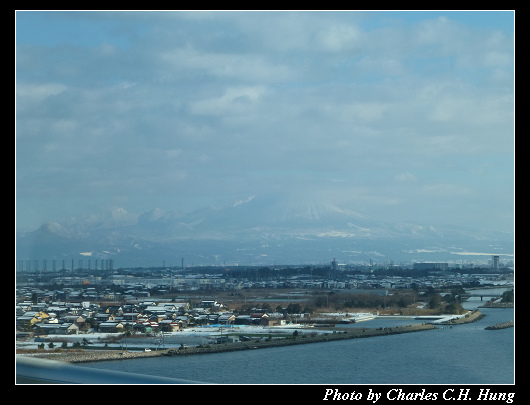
[402, 116]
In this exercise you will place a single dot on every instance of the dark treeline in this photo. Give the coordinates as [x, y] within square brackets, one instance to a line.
[265, 272]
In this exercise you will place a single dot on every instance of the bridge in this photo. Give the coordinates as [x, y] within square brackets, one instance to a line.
[482, 295]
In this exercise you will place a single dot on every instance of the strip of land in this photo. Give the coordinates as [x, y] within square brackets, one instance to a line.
[504, 325]
[472, 316]
[104, 355]
[83, 356]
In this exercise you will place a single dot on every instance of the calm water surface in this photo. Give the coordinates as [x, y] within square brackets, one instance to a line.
[464, 354]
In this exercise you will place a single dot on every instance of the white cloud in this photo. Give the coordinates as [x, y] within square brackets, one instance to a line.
[215, 103]
[405, 177]
[35, 93]
[340, 38]
[235, 100]
[242, 67]
[446, 190]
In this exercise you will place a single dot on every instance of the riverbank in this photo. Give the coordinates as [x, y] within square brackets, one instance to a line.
[94, 355]
[105, 355]
[85, 356]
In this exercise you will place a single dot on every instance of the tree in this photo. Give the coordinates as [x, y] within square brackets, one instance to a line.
[454, 308]
[430, 291]
[294, 308]
[435, 301]
[507, 296]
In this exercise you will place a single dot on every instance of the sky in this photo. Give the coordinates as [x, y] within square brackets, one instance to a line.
[402, 116]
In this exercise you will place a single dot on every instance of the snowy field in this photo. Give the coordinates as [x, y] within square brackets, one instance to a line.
[191, 337]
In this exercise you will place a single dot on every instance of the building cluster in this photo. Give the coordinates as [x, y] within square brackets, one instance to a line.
[76, 305]
[129, 286]
[73, 302]
[38, 312]
[45, 317]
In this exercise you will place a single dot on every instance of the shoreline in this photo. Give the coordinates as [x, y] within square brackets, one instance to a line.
[87, 356]
[473, 316]
[106, 355]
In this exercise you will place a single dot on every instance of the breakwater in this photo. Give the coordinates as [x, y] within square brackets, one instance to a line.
[354, 361]
[302, 338]
[473, 316]
[495, 304]
[93, 355]
[504, 325]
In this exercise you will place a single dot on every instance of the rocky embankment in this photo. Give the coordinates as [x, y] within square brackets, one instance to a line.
[473, 316]
[82, 356]
[504, 325]
[496, 304]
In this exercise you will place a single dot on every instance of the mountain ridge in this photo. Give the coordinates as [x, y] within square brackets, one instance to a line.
[249, 230]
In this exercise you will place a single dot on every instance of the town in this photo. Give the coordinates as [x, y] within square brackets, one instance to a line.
[143, 302]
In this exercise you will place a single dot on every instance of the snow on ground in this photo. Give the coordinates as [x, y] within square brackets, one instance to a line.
[190, 336]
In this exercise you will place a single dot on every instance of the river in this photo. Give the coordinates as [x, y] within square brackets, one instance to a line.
[463, 354]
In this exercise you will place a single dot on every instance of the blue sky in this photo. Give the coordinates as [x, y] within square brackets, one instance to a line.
[402, 116]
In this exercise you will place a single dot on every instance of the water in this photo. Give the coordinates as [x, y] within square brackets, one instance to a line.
[463, 354]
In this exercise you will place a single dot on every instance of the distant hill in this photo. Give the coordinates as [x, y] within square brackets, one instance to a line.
[257, 231]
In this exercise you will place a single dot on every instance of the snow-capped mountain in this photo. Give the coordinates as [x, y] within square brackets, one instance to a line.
[254, 230]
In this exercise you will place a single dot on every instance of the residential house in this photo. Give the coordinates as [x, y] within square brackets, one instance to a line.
[112, 309]
[208, 304]
[50, 329]
[183, 321]
[257, 317]
[69, 328]
[243, 320]
[73, 318]
[103, 317]
[36, 316]
[225, 319]
[111, 327]
[58, 328]
[269, 321]
[130, 316]
[155, 310]
[142, 327]
[169, 325]
[157, 317]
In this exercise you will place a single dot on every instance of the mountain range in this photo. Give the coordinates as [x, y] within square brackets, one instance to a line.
[253, 231]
